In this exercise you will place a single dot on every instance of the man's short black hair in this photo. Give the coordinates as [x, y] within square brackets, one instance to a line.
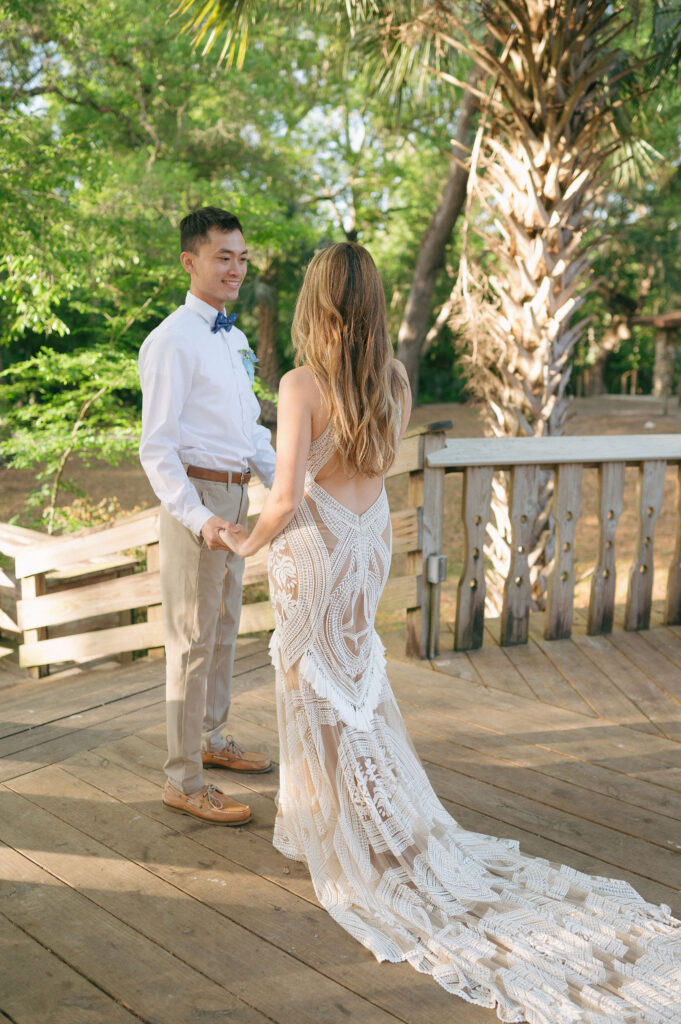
[195, 226]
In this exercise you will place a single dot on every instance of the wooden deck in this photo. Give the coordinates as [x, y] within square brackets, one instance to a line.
[113, 909]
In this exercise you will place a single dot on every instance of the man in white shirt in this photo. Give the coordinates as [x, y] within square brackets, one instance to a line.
[200, 436]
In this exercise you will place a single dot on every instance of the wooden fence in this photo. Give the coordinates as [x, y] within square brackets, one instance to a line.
[78, 594]
[521, 458]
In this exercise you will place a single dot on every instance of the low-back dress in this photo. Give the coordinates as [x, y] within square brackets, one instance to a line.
[537, 941]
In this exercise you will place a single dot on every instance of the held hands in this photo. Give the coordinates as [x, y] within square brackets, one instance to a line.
[235, 538]
[211, 532]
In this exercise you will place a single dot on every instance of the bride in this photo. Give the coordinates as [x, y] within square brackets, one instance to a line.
[536, 941]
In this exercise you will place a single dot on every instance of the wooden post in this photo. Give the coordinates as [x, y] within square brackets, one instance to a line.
[515, 614]
[470, 604]
[34, 586]
[125, 619]
[672, 607]
[433, 508]
[610, 501]
[426, 491]
[415, 646]
[567, 504]
[155, 611]
[640, 594]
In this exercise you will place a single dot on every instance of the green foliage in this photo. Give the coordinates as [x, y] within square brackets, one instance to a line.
[59, 404]
[638, 271]
[111, 128]
[442, 378]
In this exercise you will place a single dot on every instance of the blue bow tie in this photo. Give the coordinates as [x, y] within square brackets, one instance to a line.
[223, 321]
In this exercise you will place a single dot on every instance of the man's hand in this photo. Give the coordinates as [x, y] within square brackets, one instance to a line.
[211, 533]
[236, 538]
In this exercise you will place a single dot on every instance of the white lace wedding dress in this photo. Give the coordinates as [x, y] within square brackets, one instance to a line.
[538, 942]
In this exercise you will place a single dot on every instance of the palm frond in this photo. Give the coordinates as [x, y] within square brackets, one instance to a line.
[209, 19]
[665, 39]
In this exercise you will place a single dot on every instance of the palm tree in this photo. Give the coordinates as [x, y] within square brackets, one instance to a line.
[557, 78]
[556, 84]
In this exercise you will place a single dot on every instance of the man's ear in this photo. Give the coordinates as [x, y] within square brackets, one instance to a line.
[187, 261]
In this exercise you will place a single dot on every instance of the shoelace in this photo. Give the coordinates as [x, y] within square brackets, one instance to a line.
[234, 748]
[212, 799]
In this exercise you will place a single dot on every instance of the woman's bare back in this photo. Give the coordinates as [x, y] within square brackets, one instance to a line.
[356, 492]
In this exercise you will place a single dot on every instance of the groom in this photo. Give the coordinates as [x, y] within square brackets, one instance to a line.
[199, 437]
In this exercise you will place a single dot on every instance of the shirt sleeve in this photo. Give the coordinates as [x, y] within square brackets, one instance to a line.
[263, 460]
[166, 376]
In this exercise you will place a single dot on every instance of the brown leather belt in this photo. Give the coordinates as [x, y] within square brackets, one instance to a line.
[219, 478]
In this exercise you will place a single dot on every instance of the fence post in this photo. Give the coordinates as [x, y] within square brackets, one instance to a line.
[672, 610]
[515, 613]
[640, 593]
[567, 503]
[154, 611]
[34, 586]
[426, 491]
[470, 602]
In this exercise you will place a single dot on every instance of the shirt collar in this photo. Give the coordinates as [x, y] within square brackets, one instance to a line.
[204, 309]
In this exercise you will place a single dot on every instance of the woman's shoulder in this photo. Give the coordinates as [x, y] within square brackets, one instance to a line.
[402, 371]
[300, 377]
[300, 385]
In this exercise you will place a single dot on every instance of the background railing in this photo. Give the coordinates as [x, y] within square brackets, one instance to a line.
[521, 458]
[96, 593]
[77, 595]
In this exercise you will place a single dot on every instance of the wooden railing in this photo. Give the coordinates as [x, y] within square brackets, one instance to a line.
[521, 458]
[80, 592]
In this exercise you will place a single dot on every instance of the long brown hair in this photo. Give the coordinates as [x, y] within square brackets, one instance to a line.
[340, 330]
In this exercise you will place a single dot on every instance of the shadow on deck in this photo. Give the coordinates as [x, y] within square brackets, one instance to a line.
[114, 909]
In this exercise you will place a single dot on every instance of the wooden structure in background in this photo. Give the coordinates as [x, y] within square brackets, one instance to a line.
[69, 585]
[72, 586]
[479, 458]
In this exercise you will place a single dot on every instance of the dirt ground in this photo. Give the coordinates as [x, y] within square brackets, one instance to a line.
[588, 416]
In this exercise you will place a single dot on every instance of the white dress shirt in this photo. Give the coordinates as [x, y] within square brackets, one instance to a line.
[198, 408]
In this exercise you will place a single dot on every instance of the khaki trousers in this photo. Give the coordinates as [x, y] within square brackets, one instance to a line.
[201, 595]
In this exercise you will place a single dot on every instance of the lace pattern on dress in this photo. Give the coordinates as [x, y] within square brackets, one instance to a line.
[536, 941]
[327, 572]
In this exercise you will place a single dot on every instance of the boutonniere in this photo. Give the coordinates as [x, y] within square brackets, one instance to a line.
[249, 359]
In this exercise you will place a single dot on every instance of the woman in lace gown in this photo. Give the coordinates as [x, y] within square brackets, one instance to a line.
[536, 941]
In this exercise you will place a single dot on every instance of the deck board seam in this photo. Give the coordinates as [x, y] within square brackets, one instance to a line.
[629, 696]
[557, 778]
[81, 711]
[61, 959]
[141, 865]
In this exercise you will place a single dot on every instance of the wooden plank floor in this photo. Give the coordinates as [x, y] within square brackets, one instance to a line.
[113, 909]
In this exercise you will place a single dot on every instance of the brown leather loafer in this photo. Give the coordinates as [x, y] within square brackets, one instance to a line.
[235, 757]
[209, 804]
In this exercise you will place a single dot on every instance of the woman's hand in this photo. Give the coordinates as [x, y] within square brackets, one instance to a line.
[236, 539]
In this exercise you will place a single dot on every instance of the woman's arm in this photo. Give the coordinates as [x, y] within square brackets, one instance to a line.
[297, 395]
[406, 398]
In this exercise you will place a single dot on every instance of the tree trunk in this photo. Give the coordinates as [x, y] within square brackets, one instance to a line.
[431, 257]
[549, 125]
[662, 371]
[611, 340]
[268, 368]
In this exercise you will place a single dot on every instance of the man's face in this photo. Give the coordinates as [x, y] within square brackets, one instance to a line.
[218, 267]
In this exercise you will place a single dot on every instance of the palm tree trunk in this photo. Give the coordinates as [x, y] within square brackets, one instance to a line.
[546, 131]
